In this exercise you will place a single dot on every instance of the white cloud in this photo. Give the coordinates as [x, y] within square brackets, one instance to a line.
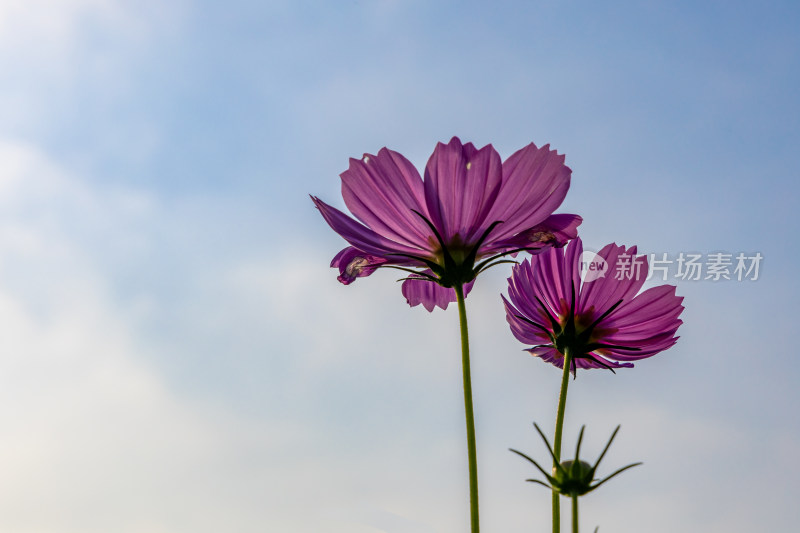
[56, 29]
[93, 438]
[45, 23]
[57, 54]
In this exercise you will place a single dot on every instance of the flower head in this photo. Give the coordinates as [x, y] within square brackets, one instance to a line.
[469, 212]
[601, 322]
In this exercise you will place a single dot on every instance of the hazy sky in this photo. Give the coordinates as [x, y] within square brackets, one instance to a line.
[177, 357]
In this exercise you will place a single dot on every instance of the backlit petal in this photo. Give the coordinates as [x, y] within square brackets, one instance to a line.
[461, 185]
[556, 230]
[358, 235]
[430, 294]
[353, 263]
[535, 182]
[622, 281]
[383, 192]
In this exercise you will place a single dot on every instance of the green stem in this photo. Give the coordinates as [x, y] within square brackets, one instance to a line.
[471, 448]
[562, 405]
[574, 513]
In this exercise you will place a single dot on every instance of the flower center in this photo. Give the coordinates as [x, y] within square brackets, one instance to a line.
[535, 236]
[356, 266]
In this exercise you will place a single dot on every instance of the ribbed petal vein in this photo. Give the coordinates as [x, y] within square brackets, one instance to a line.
[535, 182]
[383, 192]
[461, 185]
[358, 235]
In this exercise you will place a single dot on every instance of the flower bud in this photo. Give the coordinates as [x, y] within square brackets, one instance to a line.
[573, 478]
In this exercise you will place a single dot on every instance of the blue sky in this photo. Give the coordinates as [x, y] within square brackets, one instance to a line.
[178, 357]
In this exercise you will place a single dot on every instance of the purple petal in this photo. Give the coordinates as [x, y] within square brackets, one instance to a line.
[652, 311]
[545, 280]
[548, 355]
[523, 330]
[429, 293]
[535, 182]
[523, 294]
[572, 262]
[461, 185]
[648, 322]
[556, 230]
[360, 236]
[604, 292]
[558, 275]
[548, 281]
[383, 192]
[646, 347]
[353, 263]
[588, 363]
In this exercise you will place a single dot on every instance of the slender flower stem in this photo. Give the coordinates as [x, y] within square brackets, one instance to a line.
[574, 513]
[471, 448]
[562, 405]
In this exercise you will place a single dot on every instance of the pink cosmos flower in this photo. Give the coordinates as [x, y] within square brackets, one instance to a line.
[602, 322]
[470, 211]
